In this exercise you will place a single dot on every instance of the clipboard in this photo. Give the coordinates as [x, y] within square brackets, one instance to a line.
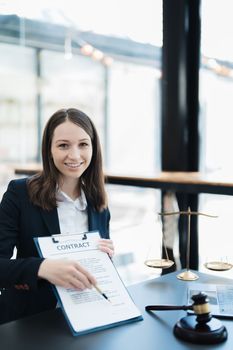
[87, 311]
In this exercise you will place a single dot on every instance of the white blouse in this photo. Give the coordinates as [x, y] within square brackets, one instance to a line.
[72, 214]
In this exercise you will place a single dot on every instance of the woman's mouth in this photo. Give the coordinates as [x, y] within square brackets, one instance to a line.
[73, 165]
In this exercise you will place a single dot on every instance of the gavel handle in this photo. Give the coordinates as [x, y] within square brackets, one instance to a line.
[168, 307]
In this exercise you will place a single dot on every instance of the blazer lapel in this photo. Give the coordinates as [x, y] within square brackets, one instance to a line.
[51, 220]
[92, 218]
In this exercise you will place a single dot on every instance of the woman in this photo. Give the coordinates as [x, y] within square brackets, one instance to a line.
[68, 196]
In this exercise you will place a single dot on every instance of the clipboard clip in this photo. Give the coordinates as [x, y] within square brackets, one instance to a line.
[56, 240]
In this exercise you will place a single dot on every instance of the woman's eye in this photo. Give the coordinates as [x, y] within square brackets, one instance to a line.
[63, 145]
[84, 144]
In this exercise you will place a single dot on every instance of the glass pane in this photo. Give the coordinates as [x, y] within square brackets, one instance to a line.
[134, 119]
[216, 85]
[18, 116]
[216, 124]
[136, 230]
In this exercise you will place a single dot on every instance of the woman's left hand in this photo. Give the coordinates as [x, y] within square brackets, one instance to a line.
[106, 245]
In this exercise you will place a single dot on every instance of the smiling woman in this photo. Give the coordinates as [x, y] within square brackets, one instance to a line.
[67, 196]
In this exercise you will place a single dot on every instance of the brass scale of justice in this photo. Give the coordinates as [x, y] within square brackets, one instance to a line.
[166, 263]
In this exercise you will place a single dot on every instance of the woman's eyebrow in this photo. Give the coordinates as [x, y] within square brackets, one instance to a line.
[63, 140]
[60, 140]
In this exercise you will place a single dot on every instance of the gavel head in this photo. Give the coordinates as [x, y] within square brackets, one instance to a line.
[201, 308]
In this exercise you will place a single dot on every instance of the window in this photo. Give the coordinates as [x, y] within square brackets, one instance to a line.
[134, 119]
[216, 125]
[18, 116]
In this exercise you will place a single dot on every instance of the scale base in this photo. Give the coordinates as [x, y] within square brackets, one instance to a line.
[188, 329]
[187, 276]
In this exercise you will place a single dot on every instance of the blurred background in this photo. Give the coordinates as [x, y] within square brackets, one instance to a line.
[105, 58]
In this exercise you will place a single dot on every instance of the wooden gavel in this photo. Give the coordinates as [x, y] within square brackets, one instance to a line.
[199, 328]
[200, 307]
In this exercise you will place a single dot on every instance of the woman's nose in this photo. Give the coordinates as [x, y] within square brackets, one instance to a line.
[74, 153]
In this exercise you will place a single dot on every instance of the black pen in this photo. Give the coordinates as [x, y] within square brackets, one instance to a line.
[100, 291]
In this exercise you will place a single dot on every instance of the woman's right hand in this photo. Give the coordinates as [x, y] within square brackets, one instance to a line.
[66, 273]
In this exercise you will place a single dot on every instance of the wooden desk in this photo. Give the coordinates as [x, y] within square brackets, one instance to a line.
[185, 182]
[49, 330]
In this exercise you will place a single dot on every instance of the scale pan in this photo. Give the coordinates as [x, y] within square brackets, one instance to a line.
[218, 266]
[159, 263]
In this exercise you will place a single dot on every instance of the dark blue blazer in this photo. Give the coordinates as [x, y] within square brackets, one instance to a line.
[23, 293]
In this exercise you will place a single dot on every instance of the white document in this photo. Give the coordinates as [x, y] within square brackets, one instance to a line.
[88, 310]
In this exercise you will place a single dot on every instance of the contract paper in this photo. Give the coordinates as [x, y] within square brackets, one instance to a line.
[88, 310]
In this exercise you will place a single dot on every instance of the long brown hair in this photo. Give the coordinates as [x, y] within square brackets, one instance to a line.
[42, 187]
